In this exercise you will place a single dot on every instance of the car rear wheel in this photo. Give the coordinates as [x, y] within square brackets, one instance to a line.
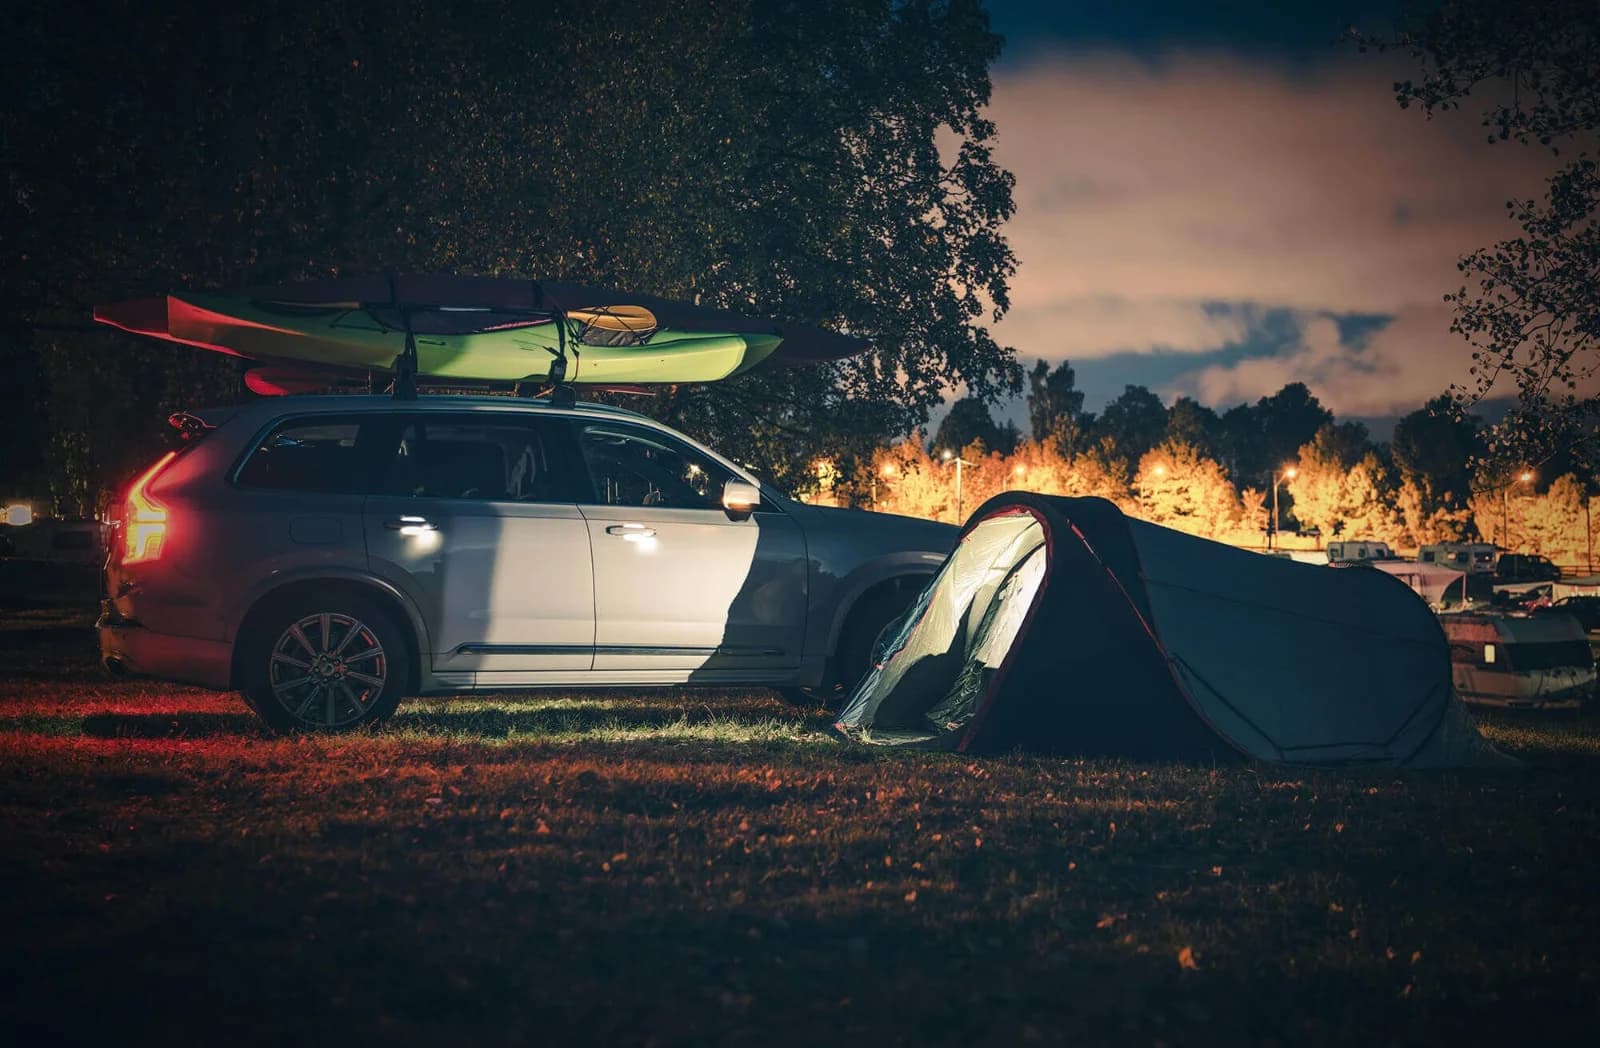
[325, 665]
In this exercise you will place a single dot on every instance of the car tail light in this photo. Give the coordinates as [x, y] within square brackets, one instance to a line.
[144, 520]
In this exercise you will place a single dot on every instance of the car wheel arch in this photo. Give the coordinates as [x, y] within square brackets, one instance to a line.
[907, 583]
[389, 599]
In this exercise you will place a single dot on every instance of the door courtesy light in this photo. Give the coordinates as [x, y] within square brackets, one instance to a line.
[144, 520]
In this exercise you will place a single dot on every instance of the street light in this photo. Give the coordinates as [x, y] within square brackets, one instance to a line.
[889, 469]
[950, 456]
[1287, 473]
[1525, 477]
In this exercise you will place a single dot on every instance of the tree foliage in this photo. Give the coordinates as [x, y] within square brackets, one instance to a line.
[969, 422]
[1133, 423]
[1180, 488]
[1055, 408]
[826, 163]
[1530, 305]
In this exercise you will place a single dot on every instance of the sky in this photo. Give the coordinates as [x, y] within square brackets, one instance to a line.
[1214, 200]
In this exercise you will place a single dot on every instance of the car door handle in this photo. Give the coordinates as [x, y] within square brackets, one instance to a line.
[409, 525]
[630, 530]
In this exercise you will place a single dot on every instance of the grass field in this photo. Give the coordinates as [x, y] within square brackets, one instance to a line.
[702, 866]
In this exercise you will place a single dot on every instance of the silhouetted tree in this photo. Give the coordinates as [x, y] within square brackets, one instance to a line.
[1133, 423]
[1433, 448]
[628, 143]
[1288, 420]
[968, 421]
[1530, 306]
[1192, 423]
[1055, 407]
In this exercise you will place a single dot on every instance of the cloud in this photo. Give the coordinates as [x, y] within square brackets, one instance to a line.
[1170, 206]
[1411, 359]
[1082, 328]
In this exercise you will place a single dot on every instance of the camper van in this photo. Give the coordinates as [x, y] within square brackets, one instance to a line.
[1358, 549]
[1520, 661]
[1474, 558]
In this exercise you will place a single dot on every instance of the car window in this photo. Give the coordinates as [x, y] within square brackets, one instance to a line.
[500, 458]
[636, 467]
[329, 455]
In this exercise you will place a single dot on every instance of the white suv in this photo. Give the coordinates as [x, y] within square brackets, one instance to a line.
[328, 555]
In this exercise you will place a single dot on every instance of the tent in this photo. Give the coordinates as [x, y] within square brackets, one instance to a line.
[1583, 586]
[1431, 582]
[1059, 625]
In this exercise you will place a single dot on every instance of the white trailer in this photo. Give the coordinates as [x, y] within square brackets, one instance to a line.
[1520, 661]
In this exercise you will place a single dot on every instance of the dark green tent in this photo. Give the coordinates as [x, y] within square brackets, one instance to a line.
[1060, 625]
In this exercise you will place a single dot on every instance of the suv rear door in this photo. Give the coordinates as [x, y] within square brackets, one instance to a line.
[476, 519]
[296, 499]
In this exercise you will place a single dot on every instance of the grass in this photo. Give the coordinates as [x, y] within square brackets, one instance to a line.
[681, 867]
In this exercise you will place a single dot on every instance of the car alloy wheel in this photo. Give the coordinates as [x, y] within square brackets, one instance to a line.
[327, 669]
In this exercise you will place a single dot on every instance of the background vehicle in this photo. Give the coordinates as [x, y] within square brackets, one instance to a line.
[1585, 609]
[328, 555]
[1520, 661]
[1525, 567]
[1359, 549]
[1474, 558]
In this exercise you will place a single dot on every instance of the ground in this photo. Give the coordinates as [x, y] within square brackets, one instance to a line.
[693, 866]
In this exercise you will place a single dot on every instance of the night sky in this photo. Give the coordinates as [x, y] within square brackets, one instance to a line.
[1216, 200]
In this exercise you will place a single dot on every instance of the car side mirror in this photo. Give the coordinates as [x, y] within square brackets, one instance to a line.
[740, 499]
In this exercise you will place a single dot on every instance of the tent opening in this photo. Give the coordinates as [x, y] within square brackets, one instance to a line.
[932, 673]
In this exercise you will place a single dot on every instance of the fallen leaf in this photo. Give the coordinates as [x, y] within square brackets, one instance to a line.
[1186, 959]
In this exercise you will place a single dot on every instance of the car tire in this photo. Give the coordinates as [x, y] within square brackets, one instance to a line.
[324, 664]
[853, 657]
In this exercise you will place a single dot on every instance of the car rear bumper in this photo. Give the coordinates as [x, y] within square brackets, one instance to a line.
[127, 647]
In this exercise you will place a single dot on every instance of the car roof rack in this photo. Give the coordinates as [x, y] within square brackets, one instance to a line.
[552, 385]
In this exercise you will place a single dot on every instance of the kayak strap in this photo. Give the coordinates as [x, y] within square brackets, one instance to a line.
[405, 367]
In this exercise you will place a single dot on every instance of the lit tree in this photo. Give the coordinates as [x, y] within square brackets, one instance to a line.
[1425, 521]
[1179, 488]
[1553, 523]
[1341, 497]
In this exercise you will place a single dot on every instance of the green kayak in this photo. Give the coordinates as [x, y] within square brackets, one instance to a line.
[477, 330]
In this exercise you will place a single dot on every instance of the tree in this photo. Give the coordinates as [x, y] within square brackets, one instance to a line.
[1530, 306]
[1427, 522]
[1433, 448]
[1289, 419]
[969, 422]
[1342, 491]
[1190, 422]
[1241, 444]
[1133, 423]
[825, 164]
[1178, 487]
[1055, 407]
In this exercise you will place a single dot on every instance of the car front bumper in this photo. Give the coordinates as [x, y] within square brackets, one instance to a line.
[127, 647]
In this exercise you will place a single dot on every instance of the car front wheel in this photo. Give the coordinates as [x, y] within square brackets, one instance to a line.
[328, 665]
[860, 637]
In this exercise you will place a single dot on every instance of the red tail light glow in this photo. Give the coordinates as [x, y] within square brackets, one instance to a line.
[144, 520]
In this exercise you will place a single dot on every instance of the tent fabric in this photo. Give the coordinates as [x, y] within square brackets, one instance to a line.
[1583, 586]
[1431, 582]
[1061, 625]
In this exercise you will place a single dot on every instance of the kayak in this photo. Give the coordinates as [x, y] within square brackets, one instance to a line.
[478, 329]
